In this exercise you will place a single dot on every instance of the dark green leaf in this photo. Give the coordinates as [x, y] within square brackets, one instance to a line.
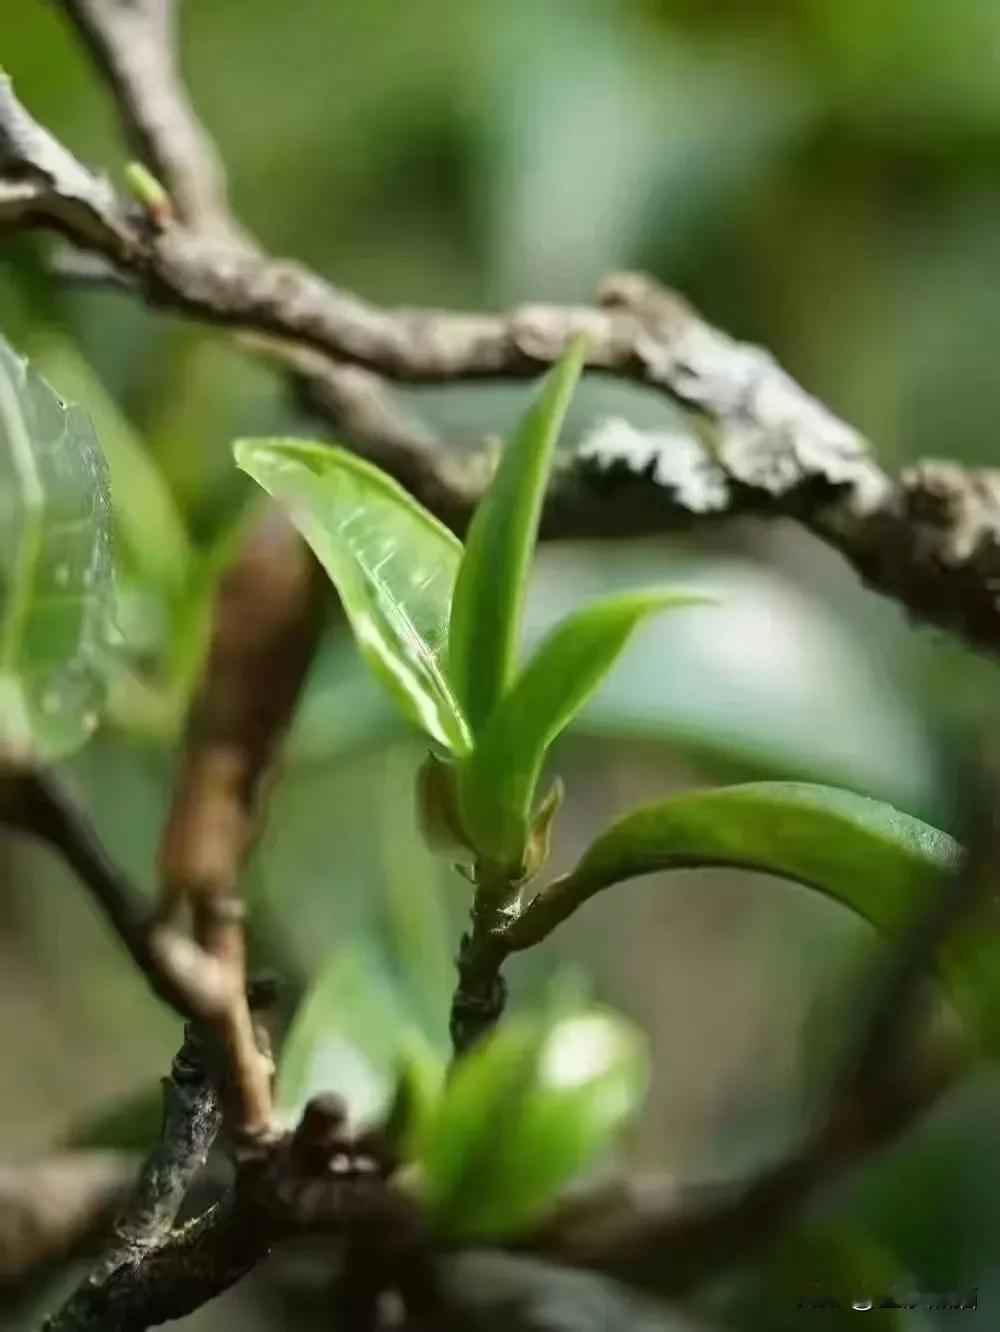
[56, 587]
[497, 782]
[872, 858]
[393, 564]
[523, 1113]
[489, 592]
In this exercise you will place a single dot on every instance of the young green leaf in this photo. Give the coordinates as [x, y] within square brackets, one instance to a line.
[489, 592]
[524, 1112]
[149, 530]
[393, 564]
[56, 584]
[497, 782]
[352, 1034]
[873, 859]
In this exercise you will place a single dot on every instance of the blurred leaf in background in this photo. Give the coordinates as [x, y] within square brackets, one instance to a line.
[821, 176]
[56, 579]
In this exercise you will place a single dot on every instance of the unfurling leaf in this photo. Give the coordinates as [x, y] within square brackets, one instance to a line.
[392, 562]
[437, 807]
[540, 838]
[497, 782]
[489, 592]
[56, 586]
[524, 1112]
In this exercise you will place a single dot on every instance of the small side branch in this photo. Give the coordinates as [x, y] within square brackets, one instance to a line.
[191, 1120]
[134, 45]
[757, 443]
[266, 622]
[316, 1181]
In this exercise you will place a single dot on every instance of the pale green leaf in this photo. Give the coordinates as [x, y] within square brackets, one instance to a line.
[149, 530]
[351, 1034]
[489, 592]
[497, 782]
[56, 585]
[393, 564]
[523, 1113]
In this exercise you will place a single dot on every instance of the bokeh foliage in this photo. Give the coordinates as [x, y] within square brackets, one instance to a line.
[819, 175]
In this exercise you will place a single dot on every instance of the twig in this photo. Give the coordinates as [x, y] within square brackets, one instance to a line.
[191, 1120]
[266, 622]
[134, 45]
[315, 1181]
[758, 444]
[41, 804]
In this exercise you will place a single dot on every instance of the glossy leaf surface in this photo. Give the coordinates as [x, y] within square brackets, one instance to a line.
[393, 564]
[497, 783]
[873, 859]
[489, 593]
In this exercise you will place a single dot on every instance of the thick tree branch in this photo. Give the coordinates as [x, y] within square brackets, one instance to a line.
[191, 1120]
[758, 444]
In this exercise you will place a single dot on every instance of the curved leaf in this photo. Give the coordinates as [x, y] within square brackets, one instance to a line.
[489, 592]
[393, 564]
[871, 858]
[524, 1112]
[497, 782]
[56, 585]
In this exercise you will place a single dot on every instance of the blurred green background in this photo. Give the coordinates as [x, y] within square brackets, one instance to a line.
[821, 176]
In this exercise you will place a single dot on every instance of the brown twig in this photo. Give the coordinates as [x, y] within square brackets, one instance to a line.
[134, 45]
[758, 443]
[191, 1120]
[318, 1180]
[266, 622]
[39, 803]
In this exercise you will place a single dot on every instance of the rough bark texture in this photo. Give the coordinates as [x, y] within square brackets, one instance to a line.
[755, 443]
[758, 443]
